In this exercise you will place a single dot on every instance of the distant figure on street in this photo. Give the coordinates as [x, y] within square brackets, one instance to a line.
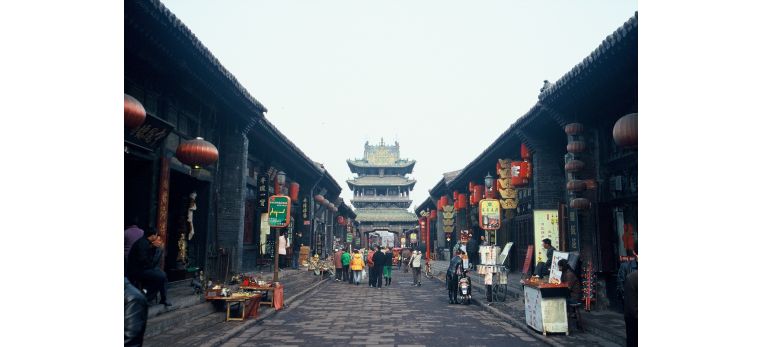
[379, 261]
[345, 259]
[356, 264]
[389, 257]
[143, 265]
[631, 308]
[282, 255]
[296, 250]
[338, 264]
[135, 315]
[415, 264]
[371, 268]
[453, 271]
[543, 269]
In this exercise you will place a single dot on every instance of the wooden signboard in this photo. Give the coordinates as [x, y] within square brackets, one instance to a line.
[528, 259]
[489, 214]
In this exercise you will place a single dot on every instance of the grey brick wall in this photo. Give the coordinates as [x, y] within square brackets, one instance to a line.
[232, 193]
[548, 175]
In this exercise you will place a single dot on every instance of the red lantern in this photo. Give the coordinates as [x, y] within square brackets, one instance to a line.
[478, 193]
[462, 201]
[574, 129]
[519, 173]
[575, 147]
[580, 203]
[471, 187]
[525, 152]
[134, 112]
[443, 200]
[433, 214]
[591, 184]
[293, 191]
[575, 185]
[574, 165]
[455, 195]
[626, 131]
[197, 153]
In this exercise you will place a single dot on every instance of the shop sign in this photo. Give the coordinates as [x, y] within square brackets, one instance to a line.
[150, 135]
[489, 214]
[262, 192]
[279, 211]
[413, 237]
[545, 227]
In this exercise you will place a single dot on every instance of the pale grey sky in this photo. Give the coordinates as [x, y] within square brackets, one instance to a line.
[444, 78]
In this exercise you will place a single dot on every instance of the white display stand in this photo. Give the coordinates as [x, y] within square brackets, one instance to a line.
[555, 273]
[545, 314]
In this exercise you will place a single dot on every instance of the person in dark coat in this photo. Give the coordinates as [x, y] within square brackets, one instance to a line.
[569, 277]
[135, 315]
[388, 263]
[379, 260]
[543, 269]
[296, 250]
[143, 265]
[631, 308]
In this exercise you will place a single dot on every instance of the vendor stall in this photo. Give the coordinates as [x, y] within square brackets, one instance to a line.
[545, 306]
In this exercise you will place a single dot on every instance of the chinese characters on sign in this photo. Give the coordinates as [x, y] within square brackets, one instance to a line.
[279, 211]
[545, 227]
[262, 192]
[489, 214]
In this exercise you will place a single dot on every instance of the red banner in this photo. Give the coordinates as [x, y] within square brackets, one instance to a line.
[528, 259]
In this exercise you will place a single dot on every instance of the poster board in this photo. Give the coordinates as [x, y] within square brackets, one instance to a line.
[555, 273]
[489, 214]
[528, 259]
[545, 227]
[279, 211]
[504, 254]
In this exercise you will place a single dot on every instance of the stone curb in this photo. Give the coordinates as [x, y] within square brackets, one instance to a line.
[514, 322]
[250, 323]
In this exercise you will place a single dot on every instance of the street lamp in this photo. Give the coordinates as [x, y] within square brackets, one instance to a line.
[488, 183]
[281, 178]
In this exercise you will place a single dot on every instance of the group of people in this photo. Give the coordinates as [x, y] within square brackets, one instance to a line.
[378, 260]
[143, 251]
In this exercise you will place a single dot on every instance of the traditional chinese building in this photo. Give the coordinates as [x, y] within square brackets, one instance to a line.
[382, 191]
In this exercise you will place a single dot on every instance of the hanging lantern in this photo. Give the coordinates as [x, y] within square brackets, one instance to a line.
[319, 199]
[575, 185]
[443, 200]
[519, 173]
[626, 131]
[580, 203]
[478, 193]
[574, 165]
[591, 184]
[525, 152]
[455, 195]
[331, 206]
[341, 220]
[134, 112]
[439, 204]
[433, 215]
[574, 129]
[471, 187]
[575, 147]
[462, 204]
[197, 153]
[293, 191]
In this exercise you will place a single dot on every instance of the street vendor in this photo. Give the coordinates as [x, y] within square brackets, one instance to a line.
[570, 278]
[543, 269]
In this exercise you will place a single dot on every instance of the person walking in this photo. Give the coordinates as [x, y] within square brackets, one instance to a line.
[472, 247]
[282, 254]
[379, 260]
[357, 265]
[389, 257]
[371, 268]
[345, 259]
[297, 250]
[338, 264]
[453, 271]
[415, 264]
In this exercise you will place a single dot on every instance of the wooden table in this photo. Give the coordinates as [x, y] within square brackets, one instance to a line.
[249, 305]
[264, 289]
[545, 307]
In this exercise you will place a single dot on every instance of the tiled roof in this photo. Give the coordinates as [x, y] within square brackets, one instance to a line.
[365, 163]
[385, 215]
[201, 50]
[367, 181]
[449, 176]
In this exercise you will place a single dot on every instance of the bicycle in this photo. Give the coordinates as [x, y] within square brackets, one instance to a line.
[500, 284]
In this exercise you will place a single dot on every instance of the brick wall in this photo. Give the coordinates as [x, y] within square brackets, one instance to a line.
[231, 184]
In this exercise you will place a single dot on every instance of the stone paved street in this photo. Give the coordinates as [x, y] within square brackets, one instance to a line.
[339, 314]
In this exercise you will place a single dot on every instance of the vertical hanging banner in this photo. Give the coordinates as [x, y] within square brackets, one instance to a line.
[279, 211]
[545, 227]
[489, 214]
[161, 223]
